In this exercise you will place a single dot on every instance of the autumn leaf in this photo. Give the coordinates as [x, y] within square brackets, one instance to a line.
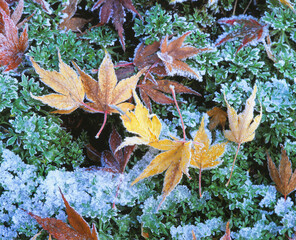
[285, 181]
[175, 161]
[218, 117]
[156, 92]
[12, 47]
[107, 95]
[67, 84]
[140, 122]
[173, 52]
[70, 21]
[205, 156]
[115, 9]
[166, 57]
[78, 229]
[242, 126]
[112, 161]
[288, 4]
[226, 236]
[250, 30]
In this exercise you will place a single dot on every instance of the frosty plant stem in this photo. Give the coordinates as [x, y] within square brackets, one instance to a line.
[238, 146]
[178, 109]
[103, 125]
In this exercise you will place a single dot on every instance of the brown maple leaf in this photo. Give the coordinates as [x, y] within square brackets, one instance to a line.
[250, 30]
[218, 117]
[12, 47]
[285, 181]
[78, 229]
[156, 92]
[107, 95]
[70, 21]
[166, 57]
[115, 9]
[112, 161]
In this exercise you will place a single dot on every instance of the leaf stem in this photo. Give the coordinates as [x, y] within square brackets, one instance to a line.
[89, 107]
[103, 125]
[199, 182]
[238, 146]
[123, 65]
[175, 100]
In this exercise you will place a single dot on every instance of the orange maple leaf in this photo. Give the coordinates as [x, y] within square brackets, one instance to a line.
[218, 117]
[78, 229]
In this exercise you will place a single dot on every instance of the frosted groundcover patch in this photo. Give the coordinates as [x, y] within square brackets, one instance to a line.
[91, 193]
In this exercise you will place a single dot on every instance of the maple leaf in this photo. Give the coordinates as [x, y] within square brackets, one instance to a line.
[172, 53]
[78, 229]
[218, 117]
[149, 90]
[285, 181]
[242, 126]
[169, 60]
[12, 47]
[112, 161]
[108, 95]
[115, 9]
[204, 156]
[250, 30]
[70, 21]
[140, 122]
[67, 84]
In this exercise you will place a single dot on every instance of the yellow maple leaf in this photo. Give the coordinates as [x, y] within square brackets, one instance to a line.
[140, 122]
[175, 161]
[242, 126]
[67, 84]
[205, 156]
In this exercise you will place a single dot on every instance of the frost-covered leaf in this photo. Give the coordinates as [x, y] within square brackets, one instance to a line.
[246, 27]
[218, 117]
[115, 9]
[78, 229]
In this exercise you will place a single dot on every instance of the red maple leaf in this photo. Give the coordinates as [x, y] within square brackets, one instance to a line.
[12, 47]
[249, 29]
[115, 9]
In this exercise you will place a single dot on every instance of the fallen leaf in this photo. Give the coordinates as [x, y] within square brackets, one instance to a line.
[12, 47]
[144, 234]
[67, 84]
[115, 9]
[70, 21]
[218, 117]
[140, 122]
[156, 92]
[226, 236]
[205, 156]
[78, 229]
[242, 126]
[112, 161]
[108, 95]
[173, 52]
[250, 30]
[285, 181]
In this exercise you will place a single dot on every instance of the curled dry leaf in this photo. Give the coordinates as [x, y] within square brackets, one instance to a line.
[285, 181]
[67, 84]
[218, 117]
[78, 229]
[115, 9]
[12, 47]
[242, 126]
[250, 30]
